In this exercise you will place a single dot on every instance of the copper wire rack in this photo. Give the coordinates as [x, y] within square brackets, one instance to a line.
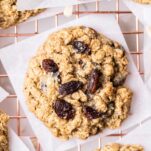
[136, 34]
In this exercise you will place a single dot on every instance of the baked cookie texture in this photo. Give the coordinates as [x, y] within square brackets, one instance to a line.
[143, 1]
[3, 132]
[120, 147]
[9, 15]
[74, 84]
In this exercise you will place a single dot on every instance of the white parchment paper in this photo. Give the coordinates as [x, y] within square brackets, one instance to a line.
[106, 24]
[15, 143]
[141, 11]
[34, 4]
[28, 143]
[147, 57]
[141, 135]
[3, 94]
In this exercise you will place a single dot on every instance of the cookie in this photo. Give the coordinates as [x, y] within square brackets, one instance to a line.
[120, 147]
[9, 15]
[3, 132]
[74, 84]
[143, 1]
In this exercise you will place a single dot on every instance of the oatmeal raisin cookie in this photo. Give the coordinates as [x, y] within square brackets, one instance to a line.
[75, 83]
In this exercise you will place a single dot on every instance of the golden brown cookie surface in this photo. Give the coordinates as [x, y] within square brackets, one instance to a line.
[75, 83]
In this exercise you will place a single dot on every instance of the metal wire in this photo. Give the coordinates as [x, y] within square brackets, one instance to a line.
[137, 53]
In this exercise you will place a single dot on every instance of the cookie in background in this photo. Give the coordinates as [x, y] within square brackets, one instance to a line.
[10, 16]
[120, 147]
[143, 1]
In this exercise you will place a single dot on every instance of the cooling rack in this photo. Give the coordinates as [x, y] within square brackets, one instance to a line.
[132, 30]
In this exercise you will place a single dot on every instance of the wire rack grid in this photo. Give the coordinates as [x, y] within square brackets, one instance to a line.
[135, 48]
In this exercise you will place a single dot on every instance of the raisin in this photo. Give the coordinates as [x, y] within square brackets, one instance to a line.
[1, 20]
[90, 113]
[80, 62]
[118, 80]
[94, 81]
[80, 46]
[70, 87]
[63, 109]
[49, 65]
